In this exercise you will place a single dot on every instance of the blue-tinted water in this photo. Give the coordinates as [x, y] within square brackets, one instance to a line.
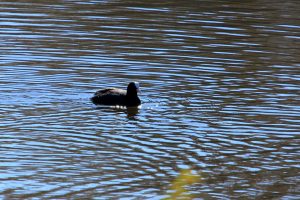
[220, 90]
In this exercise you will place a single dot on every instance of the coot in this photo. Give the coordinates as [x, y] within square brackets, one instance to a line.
[114, 96]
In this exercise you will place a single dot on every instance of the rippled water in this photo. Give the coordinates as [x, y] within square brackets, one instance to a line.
[220, 90]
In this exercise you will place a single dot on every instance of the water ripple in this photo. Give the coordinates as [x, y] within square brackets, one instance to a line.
[219, 90]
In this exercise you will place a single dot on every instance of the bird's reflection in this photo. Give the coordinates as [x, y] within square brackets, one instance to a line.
[131, 112]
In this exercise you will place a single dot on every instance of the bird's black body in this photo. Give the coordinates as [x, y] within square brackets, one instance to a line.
[114, 96]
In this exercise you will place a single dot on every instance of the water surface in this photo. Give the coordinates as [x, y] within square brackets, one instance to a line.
[220, 90]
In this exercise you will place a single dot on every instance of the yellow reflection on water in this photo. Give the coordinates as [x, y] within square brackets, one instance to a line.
[178, 189]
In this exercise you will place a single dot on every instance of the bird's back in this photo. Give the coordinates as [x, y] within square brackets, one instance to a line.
[110, 96]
